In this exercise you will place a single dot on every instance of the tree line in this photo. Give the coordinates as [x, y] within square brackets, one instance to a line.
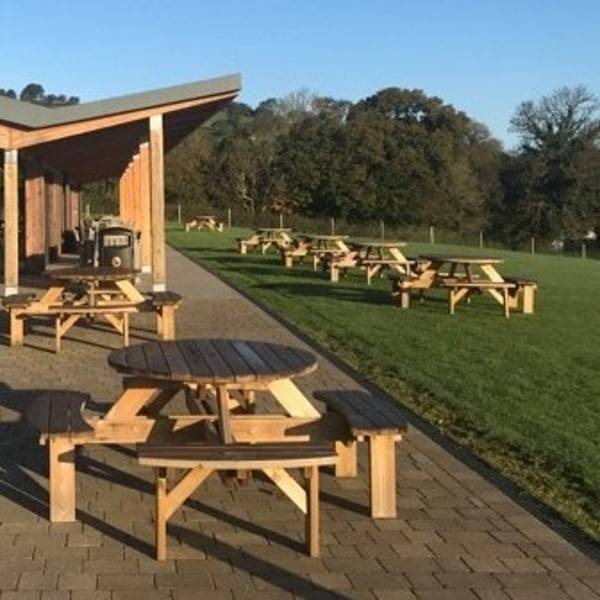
[398, 155]
[401, 156]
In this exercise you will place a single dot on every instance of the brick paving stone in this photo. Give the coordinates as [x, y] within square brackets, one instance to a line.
[120, 581]
[456, 534]
[37, 581]
[77, 581]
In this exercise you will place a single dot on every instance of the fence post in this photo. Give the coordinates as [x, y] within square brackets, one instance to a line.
[583, 250]
[87, 211]
[481, 239]
[532, 245]
[229, 218]
[382, 226]
[332, 225]
[280, 220]
[179, 213]
[431, 234]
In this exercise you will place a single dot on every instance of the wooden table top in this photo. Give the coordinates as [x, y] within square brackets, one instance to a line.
[92, 274]
[213, 361]
[275, 229]
[378, 243]
[203, 217]
[462, 260]
[331, 238]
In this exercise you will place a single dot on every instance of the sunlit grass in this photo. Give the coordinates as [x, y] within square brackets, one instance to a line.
[523, 393]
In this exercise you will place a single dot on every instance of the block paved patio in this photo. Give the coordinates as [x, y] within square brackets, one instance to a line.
[458, 537]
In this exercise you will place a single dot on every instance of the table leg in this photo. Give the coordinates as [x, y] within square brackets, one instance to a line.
[62, 480]
[382, 463]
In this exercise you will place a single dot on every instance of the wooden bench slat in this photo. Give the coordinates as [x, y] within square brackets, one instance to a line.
[364, 412]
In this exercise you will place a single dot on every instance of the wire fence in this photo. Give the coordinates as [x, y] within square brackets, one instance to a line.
[381, 230]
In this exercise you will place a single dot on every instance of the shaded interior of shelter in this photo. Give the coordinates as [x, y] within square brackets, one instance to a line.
[48, 154]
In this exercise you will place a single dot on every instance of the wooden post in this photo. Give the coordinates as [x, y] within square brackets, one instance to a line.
[179, 213]
[11, 222]
[229, 218]
[281, 220]
[35, 220]
[146, 239]
[332, 225]
[157, 194]
[481, 239]
[532, 245]
[431, 234]
[382, 227]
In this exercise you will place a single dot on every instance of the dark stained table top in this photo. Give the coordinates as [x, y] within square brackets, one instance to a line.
[213, 361]
[92, 274]
[452, 258]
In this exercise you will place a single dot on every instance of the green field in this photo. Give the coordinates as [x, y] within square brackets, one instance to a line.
[523, 393]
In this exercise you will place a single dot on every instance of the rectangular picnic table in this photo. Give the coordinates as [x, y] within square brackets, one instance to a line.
[376, 256]
[208, 222]
[265, 237]
[464, 275]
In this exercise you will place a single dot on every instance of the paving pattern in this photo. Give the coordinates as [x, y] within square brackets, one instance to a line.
[458, 537]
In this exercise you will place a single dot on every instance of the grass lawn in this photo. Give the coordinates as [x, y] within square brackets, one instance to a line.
[523, 393]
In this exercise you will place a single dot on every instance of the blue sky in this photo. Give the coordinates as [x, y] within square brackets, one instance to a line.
[482, 56]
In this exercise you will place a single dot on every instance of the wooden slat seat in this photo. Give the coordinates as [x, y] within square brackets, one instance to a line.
[17, 301]
[381, 423]
[201, 460]
[164, 304]
[459, 288]
[59, 417]
[524, 292]
[167, 298]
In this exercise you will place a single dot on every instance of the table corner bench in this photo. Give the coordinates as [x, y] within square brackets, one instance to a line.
[164, 304]
[381, 423]
[17, 305]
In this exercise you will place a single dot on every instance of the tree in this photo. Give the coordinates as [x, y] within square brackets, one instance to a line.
[35, 93]
[551, 185]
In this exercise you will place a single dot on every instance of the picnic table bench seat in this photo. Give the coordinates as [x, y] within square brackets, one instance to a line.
[200, 460]
[459, 288]
[524, 293]
[15, 305]
[164, 304]
[381, 423]
[58, 416]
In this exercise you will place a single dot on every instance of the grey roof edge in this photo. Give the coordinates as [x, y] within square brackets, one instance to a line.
[34, 116]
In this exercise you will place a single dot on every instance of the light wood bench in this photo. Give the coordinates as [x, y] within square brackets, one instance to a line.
[524, 293]
[199, 461]
[402, 287]
[297, 251]
[248, 244]
[164, 305]
[341, 263]
[460, 288]
[379, 422]
[16, 306]
[58, 417]
[373, 266]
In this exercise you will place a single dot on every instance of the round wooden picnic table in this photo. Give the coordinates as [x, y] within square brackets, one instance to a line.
[91, 274]
[214, 361]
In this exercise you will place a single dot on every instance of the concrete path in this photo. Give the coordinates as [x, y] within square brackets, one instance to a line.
[457, 536]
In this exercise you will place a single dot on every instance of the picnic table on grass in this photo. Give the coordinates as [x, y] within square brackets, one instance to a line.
[465, 275]
[208, 222]
[264, 238]
[376, 256]
[224, 428]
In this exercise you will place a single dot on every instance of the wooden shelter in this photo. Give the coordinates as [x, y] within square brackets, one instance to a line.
[48, 153]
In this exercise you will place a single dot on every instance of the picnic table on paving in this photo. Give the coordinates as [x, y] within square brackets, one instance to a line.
[209, 222]
[220, 378]
[463, 276]
[88, 292]
[379, 255]
[265, 237]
